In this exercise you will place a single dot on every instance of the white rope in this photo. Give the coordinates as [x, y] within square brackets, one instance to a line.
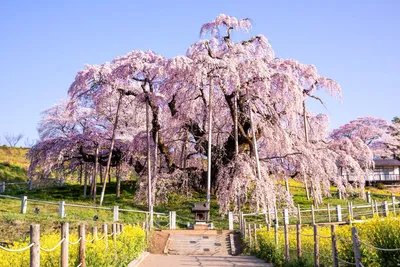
[17, 250]
[80, 264]
[51, 249]
[90, 241]
[344, 239]
[382, 249]
[100, 238]
[74, 243]
[321, 236]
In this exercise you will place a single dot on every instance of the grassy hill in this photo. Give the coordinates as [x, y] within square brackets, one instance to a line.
[13, 163]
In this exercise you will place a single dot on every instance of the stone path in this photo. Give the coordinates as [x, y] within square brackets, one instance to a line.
[155, 260]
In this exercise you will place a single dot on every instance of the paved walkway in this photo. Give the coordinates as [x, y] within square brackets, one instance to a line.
[155, 260]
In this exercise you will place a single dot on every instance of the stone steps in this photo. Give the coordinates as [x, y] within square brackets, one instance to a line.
[199, 244]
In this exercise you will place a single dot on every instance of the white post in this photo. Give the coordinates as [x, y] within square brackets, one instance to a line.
[369, 197]
[61, 209]
[385, 208]
[173, 220]
[339, 213]
[116, 213]
[230, 216]
[24, 204]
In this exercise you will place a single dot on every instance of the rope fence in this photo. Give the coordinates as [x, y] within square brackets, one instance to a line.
[35, 247]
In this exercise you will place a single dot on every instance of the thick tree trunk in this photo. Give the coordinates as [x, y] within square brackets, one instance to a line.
[103, 190]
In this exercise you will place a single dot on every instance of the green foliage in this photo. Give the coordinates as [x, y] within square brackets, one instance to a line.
[378, 232]
[380, 186]
[130, 243]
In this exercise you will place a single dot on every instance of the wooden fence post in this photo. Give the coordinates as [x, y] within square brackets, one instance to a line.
[334, 246]
[94, 233]
[24, 204]
[64, 245]
[356, 246]
[298, 238]
[82, 245]
[339, 213]
[329, 213]
[394, 204]
[368, 197]
[3, 187]
[352, 210]
[385, 208]
[230, 218]
[312, 214]
[349, 211]
[115, 213]
[118, 229]
[61, 209]
[339, 194]
[316, 246]
[286, 234]
[121, 226]
[241, 221]
[114, 234]
[35, 249]
[105, 232]
[376, 208]
[249, 235]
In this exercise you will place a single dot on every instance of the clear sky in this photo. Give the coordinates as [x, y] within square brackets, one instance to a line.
[44, 43]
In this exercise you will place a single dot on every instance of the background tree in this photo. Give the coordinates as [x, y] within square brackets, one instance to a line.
[13, 139]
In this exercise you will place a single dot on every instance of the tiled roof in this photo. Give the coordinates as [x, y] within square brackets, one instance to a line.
[386, 162]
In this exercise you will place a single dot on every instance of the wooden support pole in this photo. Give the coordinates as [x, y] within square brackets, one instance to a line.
[312, 214]
[35, 249]
[316, 246]
[276, 233]
[334, 246]
[298, 237]
[105, 232]
[121, 228]
[372, 208]
[376, 208]
[64, 245]
[329, 213]
[286, 234]
[241, 221]
[118, 229]
[356, 246]
[82, 245]
[349, 211]
[298, 214]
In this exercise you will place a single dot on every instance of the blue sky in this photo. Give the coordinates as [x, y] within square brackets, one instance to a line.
[44, 43]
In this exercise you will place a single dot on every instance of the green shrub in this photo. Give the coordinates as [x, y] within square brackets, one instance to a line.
[380, 186]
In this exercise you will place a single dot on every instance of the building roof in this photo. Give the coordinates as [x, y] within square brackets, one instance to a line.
[386, 162]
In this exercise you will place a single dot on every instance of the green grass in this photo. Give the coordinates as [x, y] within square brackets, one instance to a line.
[13, 164]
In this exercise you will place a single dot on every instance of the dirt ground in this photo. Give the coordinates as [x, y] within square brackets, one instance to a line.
[157, 242]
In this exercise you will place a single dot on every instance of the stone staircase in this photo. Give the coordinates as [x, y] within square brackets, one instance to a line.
[204, 242]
